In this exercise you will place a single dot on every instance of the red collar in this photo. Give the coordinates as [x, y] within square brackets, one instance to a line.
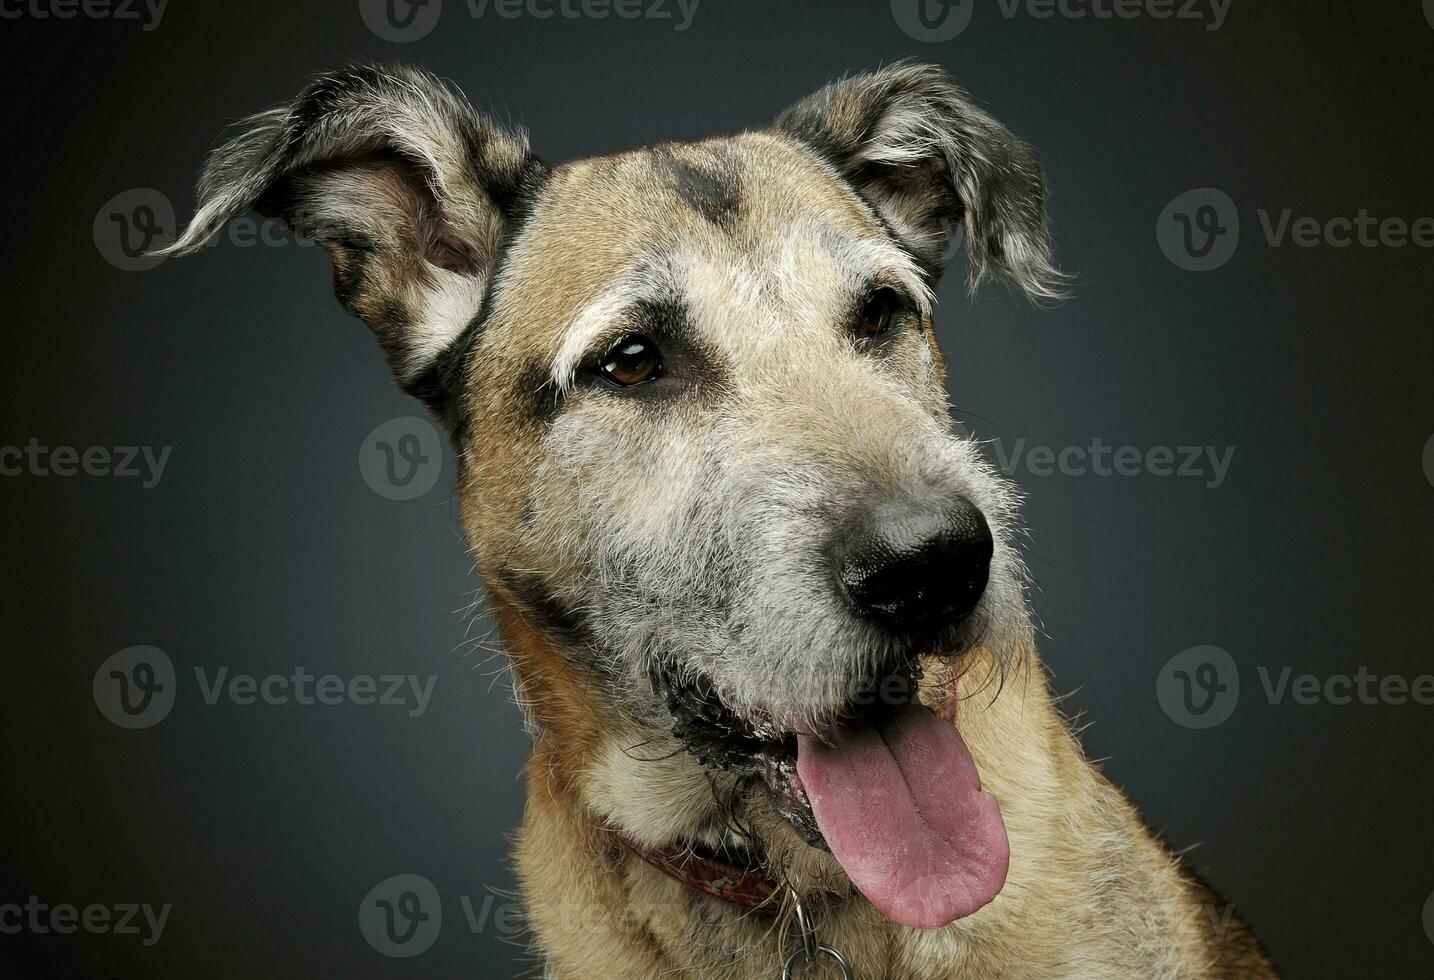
[740, 884]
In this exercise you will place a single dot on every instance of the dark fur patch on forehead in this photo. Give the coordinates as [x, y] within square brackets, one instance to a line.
[711, 187]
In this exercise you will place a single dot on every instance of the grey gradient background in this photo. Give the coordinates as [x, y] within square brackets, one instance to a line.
[262, 548]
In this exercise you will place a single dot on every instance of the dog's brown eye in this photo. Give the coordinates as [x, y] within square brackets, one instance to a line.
[877, 314]
[633, 360]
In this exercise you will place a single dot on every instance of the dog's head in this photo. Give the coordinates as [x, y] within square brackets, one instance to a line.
[705, 448]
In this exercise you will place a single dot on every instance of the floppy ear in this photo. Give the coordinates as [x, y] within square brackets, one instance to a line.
[928, 160]
[408, 188]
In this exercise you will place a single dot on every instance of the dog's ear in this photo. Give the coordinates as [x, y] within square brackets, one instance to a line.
[408, 188]
[929, 161]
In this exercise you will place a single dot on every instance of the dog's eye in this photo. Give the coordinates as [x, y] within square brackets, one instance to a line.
[633, 360]
[877, 314]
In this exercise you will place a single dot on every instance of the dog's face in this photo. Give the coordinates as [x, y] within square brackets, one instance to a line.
[714, 370]
[700, 409]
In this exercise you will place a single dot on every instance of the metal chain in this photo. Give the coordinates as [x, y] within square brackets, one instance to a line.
[808, 950]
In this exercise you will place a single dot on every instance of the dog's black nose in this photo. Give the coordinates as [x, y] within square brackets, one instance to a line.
[913, 569]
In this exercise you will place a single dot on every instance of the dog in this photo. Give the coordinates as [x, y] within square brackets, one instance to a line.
[766, 613]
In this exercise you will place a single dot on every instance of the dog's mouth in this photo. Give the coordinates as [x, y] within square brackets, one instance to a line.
[889, 788]
[752, 744]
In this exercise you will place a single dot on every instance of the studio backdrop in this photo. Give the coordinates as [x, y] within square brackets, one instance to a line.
[251, 692]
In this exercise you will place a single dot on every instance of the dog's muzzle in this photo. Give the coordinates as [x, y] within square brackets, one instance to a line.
[886, 784]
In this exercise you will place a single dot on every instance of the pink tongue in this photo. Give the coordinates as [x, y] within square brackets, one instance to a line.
[899, 802]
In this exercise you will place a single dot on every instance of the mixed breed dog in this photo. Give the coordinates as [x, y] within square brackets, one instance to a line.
[765, 611]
